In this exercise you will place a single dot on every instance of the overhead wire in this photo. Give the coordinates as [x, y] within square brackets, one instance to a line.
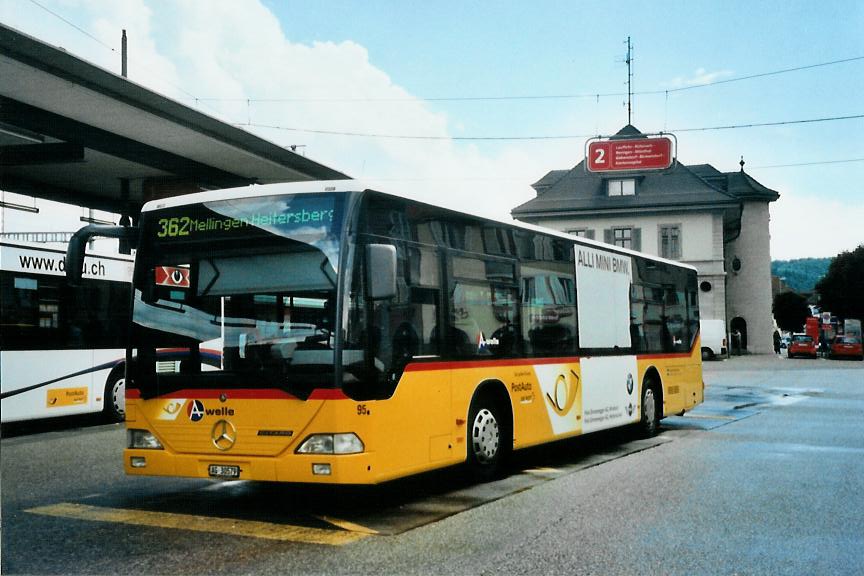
[536, 137]
[188, 94]
[596, 95]
[73, 25]
[816, 163]
[523, 178]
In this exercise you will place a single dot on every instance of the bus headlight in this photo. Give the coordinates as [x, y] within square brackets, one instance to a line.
[347, 443]
[142, 439]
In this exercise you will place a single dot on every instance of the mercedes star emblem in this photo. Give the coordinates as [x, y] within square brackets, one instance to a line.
[224, 434]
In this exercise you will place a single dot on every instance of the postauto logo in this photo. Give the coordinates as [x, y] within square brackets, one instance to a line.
[196, 411]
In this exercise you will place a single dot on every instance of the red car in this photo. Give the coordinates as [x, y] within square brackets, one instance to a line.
[847, 347]
[802, 345]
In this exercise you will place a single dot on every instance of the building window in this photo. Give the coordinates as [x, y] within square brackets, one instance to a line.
[582, 233]
[622, 237]
[670, 241]
[622, 187]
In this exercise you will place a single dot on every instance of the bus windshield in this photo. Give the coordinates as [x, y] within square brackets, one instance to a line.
[237, 294]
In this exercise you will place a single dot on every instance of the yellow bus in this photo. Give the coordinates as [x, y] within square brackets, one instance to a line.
[327, 333]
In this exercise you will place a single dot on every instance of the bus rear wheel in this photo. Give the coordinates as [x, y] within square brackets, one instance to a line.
[115, 396]
[488, 438]
[650, 422]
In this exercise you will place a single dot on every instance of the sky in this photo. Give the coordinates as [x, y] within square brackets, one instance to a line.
[466, 104]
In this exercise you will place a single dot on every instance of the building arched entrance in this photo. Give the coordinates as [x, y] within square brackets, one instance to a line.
[738, 329]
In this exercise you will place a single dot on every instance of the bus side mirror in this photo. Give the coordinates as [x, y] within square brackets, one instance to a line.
[381, 271]
[78, 242]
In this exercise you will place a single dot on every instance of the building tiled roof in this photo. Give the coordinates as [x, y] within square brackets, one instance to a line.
[548, 180]
[743, 186]
[577, 191]
[629, 131]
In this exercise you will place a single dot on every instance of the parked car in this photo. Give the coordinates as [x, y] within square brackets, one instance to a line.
[846, 347]
[802, 345]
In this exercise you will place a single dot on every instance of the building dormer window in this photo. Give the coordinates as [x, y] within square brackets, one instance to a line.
[621, 187]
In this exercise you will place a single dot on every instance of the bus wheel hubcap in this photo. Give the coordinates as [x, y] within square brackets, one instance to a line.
[650, 409]
[118, 395]
[485, 436]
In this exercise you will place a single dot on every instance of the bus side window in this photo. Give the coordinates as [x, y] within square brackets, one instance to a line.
[483, 320]
[403, 327]
[548, 310]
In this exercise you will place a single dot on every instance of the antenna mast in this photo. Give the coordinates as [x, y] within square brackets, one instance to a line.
[629, 87]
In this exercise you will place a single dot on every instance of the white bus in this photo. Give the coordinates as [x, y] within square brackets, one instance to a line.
[61, 350]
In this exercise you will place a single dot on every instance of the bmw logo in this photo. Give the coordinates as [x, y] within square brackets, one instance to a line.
[629, 383]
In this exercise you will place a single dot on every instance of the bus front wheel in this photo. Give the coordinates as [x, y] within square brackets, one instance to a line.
[115, 395]
[488, 438]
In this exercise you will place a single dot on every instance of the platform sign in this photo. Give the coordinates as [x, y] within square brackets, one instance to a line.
[631, 154]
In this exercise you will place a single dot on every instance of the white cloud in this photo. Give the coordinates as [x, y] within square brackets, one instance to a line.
[239, 52]
[231, 51]
[805, 226]
[700, 77]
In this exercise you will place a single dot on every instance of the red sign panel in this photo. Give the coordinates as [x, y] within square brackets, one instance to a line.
[634, 154]
[172, 276]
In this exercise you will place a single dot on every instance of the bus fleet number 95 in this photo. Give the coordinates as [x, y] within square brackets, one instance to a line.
[173, 227]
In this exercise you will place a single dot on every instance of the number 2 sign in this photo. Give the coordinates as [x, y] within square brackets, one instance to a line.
[629, 154]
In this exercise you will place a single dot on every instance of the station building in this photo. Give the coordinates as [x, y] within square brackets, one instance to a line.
[716, 221]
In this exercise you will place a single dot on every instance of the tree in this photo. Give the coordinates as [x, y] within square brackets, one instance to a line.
[841, 290]
[791, 311]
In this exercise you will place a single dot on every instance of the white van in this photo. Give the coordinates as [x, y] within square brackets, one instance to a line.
[713, 335]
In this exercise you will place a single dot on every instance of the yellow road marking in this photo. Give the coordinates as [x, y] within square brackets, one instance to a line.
[229, 526]
[346, 525]
[542, 470]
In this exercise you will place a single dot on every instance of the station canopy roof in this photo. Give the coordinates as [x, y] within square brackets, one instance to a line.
[73, 132]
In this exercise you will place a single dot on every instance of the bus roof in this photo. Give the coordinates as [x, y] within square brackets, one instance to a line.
[347, 186]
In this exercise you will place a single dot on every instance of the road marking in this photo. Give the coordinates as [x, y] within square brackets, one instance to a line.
[543, 470]
[346, 525]
[229, 526]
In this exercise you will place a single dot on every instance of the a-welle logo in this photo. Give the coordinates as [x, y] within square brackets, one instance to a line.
[196, 411]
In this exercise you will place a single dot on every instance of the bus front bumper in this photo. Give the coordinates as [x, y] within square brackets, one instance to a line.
[302, 468]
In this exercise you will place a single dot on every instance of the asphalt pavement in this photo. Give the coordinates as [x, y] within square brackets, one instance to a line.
[763, 478]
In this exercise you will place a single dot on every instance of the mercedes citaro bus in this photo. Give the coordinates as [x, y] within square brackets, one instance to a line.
[325, 332]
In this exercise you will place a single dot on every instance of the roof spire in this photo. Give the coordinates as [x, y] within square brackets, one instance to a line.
[629, 61]
[741, 163]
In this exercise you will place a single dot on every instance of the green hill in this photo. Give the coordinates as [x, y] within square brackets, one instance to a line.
[801, 274]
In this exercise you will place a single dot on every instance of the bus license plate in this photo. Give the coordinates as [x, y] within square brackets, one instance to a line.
[222, 471]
